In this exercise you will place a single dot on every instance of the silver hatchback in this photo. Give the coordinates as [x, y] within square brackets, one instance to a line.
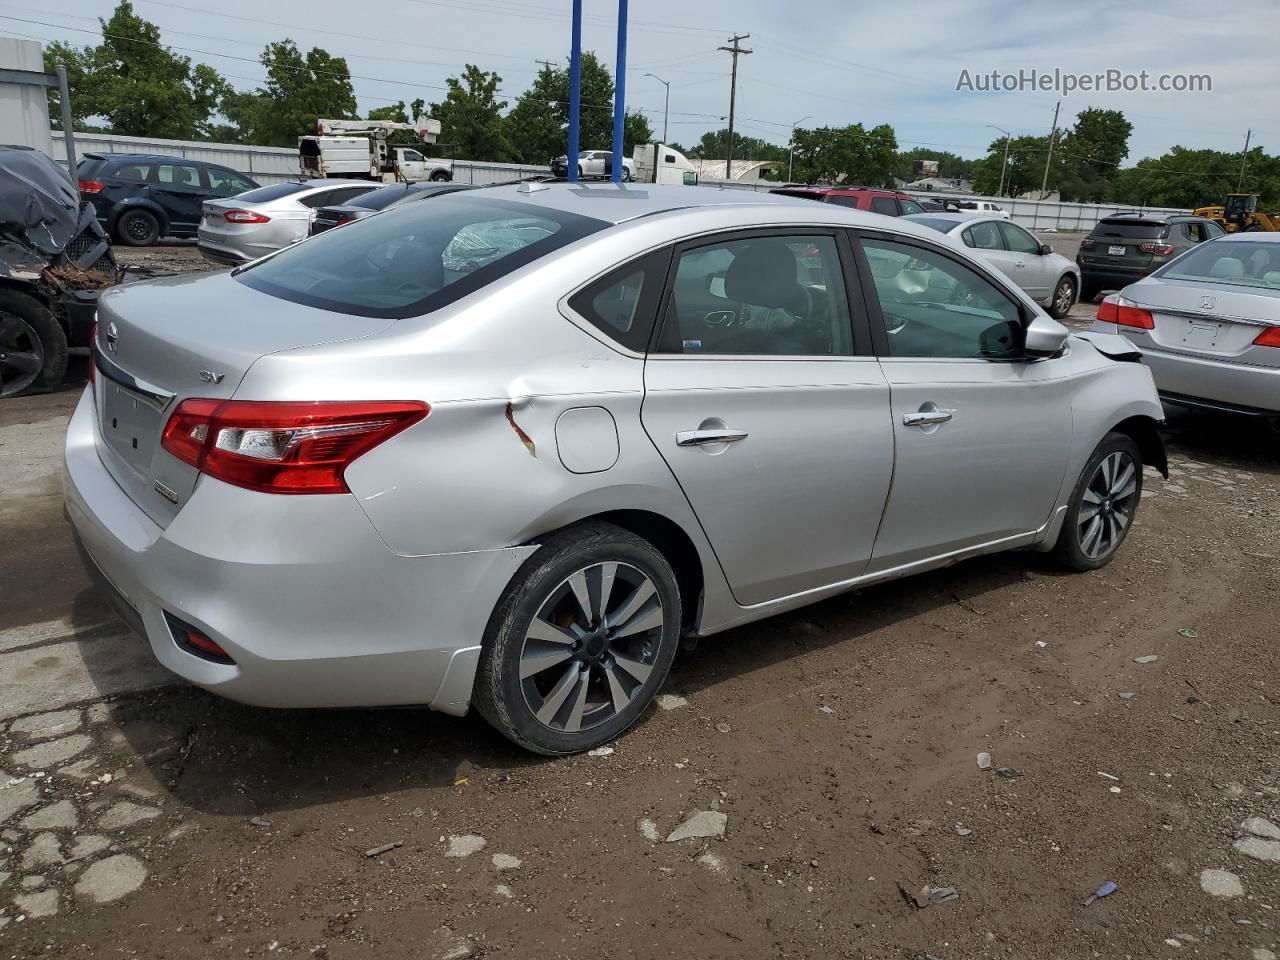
[249, 225]
[508, 448]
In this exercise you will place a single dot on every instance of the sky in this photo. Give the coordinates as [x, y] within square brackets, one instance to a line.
[823, 62]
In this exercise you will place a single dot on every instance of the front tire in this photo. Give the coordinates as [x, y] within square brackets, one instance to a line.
[581, 641]
[1103, 505]
[626, 175]
[1064, 297]
[1089, 292]
[138, 228]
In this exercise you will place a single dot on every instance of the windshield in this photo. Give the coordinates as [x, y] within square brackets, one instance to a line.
[1240, 263]
[415, 258]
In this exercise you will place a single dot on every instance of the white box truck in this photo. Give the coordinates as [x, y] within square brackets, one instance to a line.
[358, 150]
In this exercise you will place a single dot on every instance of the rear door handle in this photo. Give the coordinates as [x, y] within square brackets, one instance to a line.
[927, 417]
[698, 438]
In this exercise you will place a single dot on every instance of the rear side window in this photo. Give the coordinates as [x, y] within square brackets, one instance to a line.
[842, 200]
[135, 172]
[275, 191]
[1131, 229]
[885, 205]
[623, 304]
[177, 174]
[416, 258]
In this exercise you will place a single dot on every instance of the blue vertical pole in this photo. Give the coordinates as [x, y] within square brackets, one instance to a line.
[619, 91]
[575, 90]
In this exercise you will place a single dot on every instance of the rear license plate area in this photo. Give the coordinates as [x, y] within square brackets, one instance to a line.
[129, 425]
[1200, 335]
[1116, 251]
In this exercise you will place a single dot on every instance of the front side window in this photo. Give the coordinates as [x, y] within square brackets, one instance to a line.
[935, 307]
[1018, 240]
[416, 258]
[909, 207]
[413, 155]
[763, 296]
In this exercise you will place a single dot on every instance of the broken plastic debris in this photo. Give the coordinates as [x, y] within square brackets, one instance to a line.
[1008, 773]
[929, 895]
[1106, 890]
[1188, 633]
[1150, 658]
[600, 752]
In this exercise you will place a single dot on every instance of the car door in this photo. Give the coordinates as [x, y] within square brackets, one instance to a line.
[177, 187]
[769, 409]
[982, 435]
[985, 238]
[413, 165]
[1035, 273]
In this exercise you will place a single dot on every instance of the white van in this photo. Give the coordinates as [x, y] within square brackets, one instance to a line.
[984, 208]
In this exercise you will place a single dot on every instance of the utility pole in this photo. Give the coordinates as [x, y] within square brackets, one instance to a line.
[1005, 166]
[1053, 135]
[1244, 158]
[733, 96]
[666, 104]
[545, 63]
[791, 157]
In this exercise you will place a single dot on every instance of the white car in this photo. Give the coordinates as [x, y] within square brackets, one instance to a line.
[984, 208]
[1049, 278]
[594, 163]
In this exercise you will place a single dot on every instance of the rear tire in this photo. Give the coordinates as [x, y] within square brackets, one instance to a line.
[1103, 505]
[33, 346]
[138, 228]
[557, 676]
[441, 177]
[1064, 297]
[1089, 292]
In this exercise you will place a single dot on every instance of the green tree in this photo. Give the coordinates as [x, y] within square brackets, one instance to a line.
[299, 90]
[1089, 154]
[1026, 166]
[950, 165]
[140, 86]
[471, 116]
[713, 143]
[849, 154]
[536, 125]
[635, 130]
[1195, 178]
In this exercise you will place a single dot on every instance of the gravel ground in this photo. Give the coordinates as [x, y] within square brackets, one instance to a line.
[841, 743]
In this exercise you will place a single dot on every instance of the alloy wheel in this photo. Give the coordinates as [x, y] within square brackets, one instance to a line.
[21, 355]
[1106, 505]
[591, 647]
[1062, 298]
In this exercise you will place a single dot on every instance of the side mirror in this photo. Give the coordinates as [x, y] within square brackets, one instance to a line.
[1044, 337]
[1045, 249]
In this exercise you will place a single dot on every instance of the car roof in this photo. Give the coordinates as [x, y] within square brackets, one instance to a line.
[617, 203]
[151, 158]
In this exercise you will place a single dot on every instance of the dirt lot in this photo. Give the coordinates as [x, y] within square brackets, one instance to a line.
[841, 742]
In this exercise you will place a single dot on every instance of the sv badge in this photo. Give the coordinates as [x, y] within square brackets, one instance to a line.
[208, 376]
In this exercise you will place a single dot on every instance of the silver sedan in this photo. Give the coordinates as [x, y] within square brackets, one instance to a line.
[507, 449]
[1049, 278]
[1208, 324]
[249, 225]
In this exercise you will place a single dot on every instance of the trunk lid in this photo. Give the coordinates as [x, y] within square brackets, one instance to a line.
[1219, 320]
[166, 340]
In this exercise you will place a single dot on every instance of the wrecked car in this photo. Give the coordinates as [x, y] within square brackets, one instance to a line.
[55, 259]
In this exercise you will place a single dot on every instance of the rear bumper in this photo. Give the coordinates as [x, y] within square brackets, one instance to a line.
[1110, 278]
[1196, 381]
[303, 594]
[226, 256]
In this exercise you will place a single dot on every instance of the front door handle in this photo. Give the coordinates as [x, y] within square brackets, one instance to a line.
[927, 417]
[699, 438]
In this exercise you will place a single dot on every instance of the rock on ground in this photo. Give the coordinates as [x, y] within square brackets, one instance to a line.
[648, 830]
[111, 879]
[16, 797]
[61, 815]
[44, 851]
[704, 823]
[1259, 849]
[42, 726]
[505, 861]
[52, 752]
[669, 701]
[88, 844]
[1221, 883]
[126, 814]
[42, 904]
[1261, 827]
[465, 845]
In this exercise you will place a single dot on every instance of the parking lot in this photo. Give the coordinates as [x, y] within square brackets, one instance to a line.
[1131, 715]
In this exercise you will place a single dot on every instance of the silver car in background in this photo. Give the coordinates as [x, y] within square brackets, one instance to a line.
[1208, 324]
[1050, 279]
[249, 225]
[507, 448]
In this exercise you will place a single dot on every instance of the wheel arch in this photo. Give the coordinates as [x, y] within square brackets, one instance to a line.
[1145, 432]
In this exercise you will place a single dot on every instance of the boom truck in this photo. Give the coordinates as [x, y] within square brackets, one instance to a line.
[361, 150]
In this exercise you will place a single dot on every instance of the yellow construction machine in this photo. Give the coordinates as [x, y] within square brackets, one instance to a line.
[1240, 213]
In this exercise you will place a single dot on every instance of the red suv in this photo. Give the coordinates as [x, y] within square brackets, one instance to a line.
[889, 202]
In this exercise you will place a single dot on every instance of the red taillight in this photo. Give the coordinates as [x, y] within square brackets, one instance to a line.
[91, 186]
[1086, 243]
[244, 216]
[1159, 249]
[283, 447]
[342, 221]
[1112, 310]
[1269, 337]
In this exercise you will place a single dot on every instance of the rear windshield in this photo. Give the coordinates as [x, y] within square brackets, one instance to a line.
[87, 167]
[275, 191]
[416, 258]
[1240, 263]
[380, 198]
[936, 223]
[1131, 229]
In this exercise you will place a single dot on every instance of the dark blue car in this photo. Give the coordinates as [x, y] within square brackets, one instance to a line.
[140, 198]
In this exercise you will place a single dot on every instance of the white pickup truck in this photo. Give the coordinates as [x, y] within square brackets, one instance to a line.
[358, 149]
